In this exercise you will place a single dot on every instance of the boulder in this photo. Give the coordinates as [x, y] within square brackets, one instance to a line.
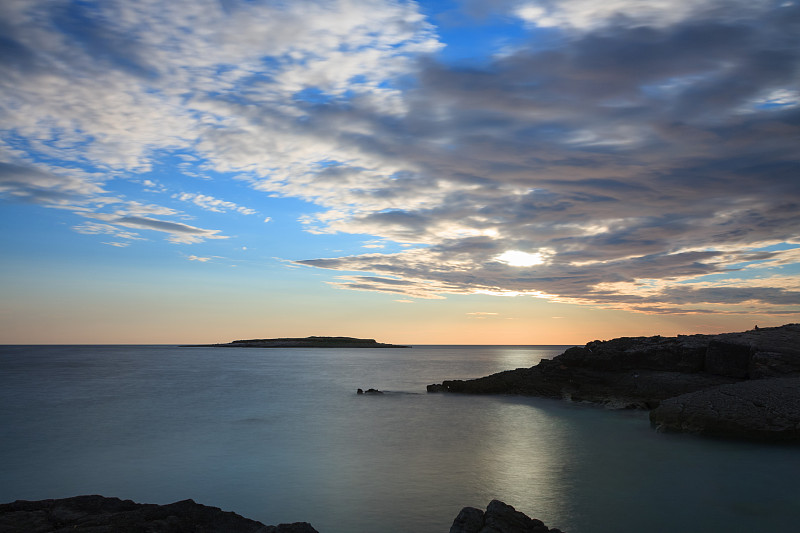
[498, 518]
[762, 410]
[98, 514]
[469, 520]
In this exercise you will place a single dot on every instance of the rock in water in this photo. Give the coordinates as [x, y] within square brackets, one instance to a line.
[98, 514]
[498, 518]
[469, 520]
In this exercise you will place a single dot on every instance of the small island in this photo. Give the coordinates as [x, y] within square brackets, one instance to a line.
[306, 342]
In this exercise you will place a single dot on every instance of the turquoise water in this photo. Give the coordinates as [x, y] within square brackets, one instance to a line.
[279, 435]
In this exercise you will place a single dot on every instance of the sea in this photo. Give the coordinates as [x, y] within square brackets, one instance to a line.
[279, 435]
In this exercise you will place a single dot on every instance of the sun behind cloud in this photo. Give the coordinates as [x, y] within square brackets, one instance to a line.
[521, 259]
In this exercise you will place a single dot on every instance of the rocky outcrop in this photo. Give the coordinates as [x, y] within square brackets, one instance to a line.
[306, 342]
[763, 409]
[98, 514]
[498, 518]
[644, 372]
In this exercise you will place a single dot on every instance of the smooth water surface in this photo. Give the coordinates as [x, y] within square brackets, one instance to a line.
[279, 435]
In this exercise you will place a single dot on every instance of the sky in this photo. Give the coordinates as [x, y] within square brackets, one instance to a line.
[432, 172]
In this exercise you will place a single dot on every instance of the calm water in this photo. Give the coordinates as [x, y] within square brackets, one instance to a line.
[279, 435]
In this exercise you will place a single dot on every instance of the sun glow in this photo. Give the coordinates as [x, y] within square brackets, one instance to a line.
[520, 259]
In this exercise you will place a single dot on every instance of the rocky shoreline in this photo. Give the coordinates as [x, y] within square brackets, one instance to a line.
[743, 385]
[99, 514]
[305, 342]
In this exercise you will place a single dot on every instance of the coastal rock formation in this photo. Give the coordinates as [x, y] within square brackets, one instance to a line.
[499, 517]
[763, 409]
[306, 342]
[98, 514]
[643, 372]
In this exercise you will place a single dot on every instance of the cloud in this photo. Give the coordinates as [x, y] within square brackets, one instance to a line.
[94, 228]
[178, 232]
[213, 204]
[587, 15]
[482, 315]
[643, 154]
[112, 86]
[623, 152]
[39, 184]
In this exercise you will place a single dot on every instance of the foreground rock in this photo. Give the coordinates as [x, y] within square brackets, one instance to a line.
[97, 514]
[306, 342]
[498, 518]
[763, 409]
[643, 372]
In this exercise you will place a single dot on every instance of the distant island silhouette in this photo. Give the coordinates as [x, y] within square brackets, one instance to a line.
[297, 342]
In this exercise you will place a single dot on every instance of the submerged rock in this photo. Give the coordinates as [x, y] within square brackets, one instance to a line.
[499, 517]
[98, 514]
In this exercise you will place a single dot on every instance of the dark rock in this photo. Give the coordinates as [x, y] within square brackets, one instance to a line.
[641, 389]
[642, 372]
[725, 358]
[98, 514]
[674, 354]
[369, 391]
[498, 518]
[767, 364]
[763, 410]
[469, 520]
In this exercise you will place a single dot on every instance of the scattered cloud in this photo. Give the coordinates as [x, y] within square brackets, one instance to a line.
[214, 204]
[643, 158]
[178, 232]
[480, 315]
[587, 15]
